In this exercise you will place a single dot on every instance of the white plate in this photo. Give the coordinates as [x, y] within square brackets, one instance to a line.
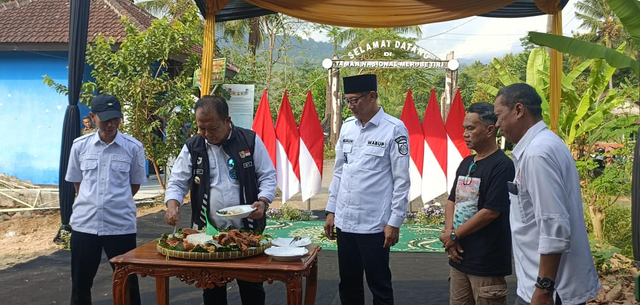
[236, 212]
[286, 253]
[286, 242]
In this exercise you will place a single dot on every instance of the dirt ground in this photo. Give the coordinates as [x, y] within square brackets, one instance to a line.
[26, 238]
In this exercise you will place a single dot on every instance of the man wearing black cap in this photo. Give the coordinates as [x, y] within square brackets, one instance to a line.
[106, 169]
[368, 196]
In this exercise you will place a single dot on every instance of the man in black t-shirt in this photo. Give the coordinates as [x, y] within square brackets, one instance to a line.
[477, 236]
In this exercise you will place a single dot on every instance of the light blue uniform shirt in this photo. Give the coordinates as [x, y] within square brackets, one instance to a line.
[104, 204]
[371, 175]
[223, 190]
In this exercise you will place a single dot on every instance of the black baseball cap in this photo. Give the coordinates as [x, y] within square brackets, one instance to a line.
[106, 107]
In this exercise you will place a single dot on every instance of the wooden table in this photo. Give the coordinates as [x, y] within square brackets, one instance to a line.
[146, 261]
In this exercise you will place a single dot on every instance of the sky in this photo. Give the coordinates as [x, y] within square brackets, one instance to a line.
[482, 38]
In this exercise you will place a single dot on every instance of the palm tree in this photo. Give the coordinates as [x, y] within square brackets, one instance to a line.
[165, 8]
[341, 35]
[603, 25]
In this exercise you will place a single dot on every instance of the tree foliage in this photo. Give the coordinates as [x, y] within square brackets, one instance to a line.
[155, 90]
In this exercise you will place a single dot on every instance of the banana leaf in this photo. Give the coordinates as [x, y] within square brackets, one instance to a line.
[581, 48]
[488, 88]
[503, 74]
[628, 12]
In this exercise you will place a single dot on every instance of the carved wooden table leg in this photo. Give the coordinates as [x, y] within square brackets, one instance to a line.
[312, 284]
[162, 290]
[120, 286]
[294, 290]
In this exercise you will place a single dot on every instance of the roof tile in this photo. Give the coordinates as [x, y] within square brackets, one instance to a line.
[47, 21]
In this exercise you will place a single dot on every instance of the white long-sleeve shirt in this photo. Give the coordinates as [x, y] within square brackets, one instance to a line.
[371, 175]
[547, 217]
[223, 190]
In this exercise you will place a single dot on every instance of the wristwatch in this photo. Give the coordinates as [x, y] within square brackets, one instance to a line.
[454, 237]
[545, 283]
[266, 203]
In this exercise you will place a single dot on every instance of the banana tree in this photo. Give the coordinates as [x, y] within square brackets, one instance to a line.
[581, 113]
[627, 11]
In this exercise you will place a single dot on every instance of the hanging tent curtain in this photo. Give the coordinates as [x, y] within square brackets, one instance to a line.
[373, 14]
[78, 27]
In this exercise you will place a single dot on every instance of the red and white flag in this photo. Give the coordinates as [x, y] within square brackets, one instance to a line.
[263, 126]
[287, 151]
[456, 147]
[434, 178]
[311, 150]
[416, 144]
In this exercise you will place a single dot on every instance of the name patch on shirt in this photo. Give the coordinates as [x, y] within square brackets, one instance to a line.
[403, 145]
[348, 141]
[376, 143]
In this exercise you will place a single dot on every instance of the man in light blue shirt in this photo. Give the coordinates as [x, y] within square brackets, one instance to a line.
[550, 244]
[368, 196]
[106, 169]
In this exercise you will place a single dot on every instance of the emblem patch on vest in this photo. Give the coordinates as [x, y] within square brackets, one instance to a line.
[244, 154]
[403, 145]
[247, 164]
[199, 160]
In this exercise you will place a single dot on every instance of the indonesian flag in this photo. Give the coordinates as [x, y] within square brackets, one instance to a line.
[263, 126]
[434, 178]
[287, 151]
[416, 143]
[456, 147]
[311, 150]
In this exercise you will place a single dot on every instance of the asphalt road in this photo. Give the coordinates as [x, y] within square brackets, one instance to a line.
[418, 278]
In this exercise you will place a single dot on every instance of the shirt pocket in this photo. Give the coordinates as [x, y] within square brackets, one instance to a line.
[373, 158]
[521, 209]
[120, 169]
[89, 167]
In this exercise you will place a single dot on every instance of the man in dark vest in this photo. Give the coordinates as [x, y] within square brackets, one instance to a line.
[224, 165]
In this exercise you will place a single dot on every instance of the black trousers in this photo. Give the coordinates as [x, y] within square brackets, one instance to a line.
[86, 253]
[358, 253]
[250, 294]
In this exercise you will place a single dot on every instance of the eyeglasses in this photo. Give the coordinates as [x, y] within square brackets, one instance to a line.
[354, 100]
[467, 179]
[232, 169]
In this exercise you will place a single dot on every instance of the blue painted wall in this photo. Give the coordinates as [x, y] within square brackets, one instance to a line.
[31, 114]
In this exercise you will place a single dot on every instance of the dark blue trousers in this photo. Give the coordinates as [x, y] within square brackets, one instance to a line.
[250, 294]
[363, 253]
[86, 253]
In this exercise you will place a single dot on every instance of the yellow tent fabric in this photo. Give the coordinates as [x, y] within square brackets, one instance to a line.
[555, 76]
[208, 48]
[375, 14]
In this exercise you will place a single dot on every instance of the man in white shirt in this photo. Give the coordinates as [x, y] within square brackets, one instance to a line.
[224, 165]
[550, 243]
[368, 193]
[106, 169]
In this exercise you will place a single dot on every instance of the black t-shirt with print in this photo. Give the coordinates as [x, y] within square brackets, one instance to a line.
[487, 252]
